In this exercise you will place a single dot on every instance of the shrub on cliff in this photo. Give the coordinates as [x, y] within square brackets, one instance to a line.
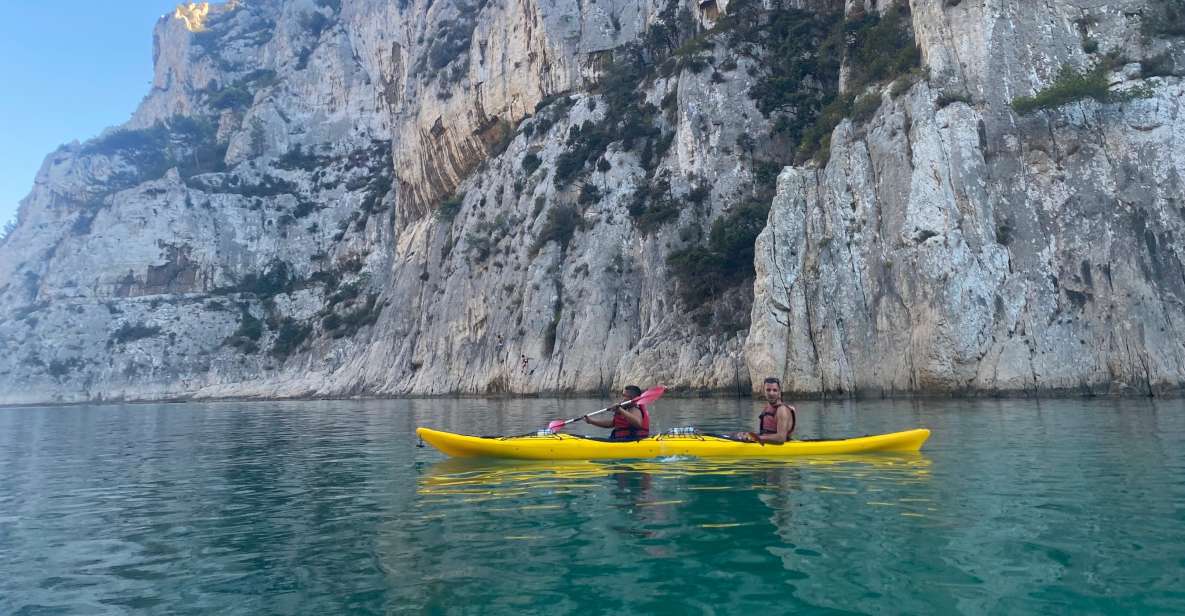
[188, 143]
[345, 325]
[275, 279]
[653, 206]
[705, 273]
[231, 97]
[290, 336]
[246, 337]
[881, 48]
[1164, 18]
[803, 53]
[449, 208]
[531, 162]
[131, 333]
[560, 226]
[876, 50]
[1072, 86]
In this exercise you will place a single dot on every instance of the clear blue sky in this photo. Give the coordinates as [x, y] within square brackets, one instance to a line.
[69, 69]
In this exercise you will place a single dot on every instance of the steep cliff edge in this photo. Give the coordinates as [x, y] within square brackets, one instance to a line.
[954, 245]
[324, 198]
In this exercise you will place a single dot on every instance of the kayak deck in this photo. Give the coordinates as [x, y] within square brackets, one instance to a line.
[571, 447]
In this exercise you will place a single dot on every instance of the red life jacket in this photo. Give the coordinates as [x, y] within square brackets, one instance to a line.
[767, 421]
[623, 430]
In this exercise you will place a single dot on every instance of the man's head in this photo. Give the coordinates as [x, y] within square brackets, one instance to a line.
[773, 390]
[631, 391]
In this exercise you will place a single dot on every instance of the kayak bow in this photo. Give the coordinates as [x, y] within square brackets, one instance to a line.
[570, 447]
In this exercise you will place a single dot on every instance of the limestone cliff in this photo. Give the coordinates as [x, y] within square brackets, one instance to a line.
[954, 245]
[325, 198]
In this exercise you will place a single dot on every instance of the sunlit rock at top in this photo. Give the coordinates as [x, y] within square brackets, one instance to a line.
[194, 14]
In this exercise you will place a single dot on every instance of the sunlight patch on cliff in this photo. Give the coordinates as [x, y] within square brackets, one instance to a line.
[194, 14]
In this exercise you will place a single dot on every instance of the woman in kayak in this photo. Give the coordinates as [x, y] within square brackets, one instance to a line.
[776, 422]
[630, 421]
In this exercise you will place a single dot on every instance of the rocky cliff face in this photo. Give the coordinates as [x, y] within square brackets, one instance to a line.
[340, 198]
[954, 245]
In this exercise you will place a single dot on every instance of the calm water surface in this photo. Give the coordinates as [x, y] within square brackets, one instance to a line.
[329, 507]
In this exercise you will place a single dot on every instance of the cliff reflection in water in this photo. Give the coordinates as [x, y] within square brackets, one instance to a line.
[654, 527]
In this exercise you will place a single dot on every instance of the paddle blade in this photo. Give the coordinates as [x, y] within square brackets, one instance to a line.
[650, 395]
[556, 426]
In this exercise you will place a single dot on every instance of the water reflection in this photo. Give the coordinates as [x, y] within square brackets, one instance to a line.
[327, 507]
[667, 482]
[733, 523]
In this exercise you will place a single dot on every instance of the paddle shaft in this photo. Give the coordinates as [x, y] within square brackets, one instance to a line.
[646, 397]
[606, 409]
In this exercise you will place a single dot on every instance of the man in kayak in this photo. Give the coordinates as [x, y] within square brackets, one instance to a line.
[630, 421]
[776, 422]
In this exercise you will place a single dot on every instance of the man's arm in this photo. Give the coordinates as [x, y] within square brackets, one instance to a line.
[601, 421]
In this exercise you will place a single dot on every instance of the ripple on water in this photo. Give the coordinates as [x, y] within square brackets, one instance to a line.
[1016, 506]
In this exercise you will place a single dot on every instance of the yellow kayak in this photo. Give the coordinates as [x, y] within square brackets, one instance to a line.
[569, 447]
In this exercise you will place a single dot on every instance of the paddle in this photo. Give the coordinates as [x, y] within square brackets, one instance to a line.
[648, 396]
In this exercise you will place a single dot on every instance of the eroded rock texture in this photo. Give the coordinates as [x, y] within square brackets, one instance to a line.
[952, 245]
[324, 198]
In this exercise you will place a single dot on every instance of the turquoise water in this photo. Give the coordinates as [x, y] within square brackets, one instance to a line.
[329, 507]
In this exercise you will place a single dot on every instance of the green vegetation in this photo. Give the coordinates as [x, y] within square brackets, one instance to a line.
[1072, 86]
[487, 234]
[1164, 19]
[250, 330]
[560, 226]
[877, 49]
[449, 209]
[348, 324]
[628, 120]
[188, 143]
[880, 48]
[315, 22]
[587, 141]
[276, 279]
[589, 194]
[131, 333]
[1161, 65]
[450, 43]
[268, 186]
[59, 368]
[945, 99]
[547, 112]
[240, 94]
[705, 273]
[652, 205]
[376, 190]
[344, 294]
[531, 162]
[231, 97]
[803, 54]
[304, 208]
[299, 158]
[289, 337]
